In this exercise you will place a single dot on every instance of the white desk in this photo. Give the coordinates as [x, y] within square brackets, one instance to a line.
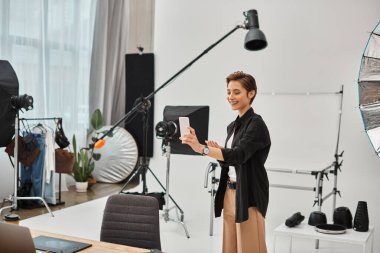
[304, 230]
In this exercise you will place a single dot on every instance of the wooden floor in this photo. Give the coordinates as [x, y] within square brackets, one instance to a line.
[70, 198]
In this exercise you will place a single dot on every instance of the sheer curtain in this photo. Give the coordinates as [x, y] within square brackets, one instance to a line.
[120, 27]
[49, 45]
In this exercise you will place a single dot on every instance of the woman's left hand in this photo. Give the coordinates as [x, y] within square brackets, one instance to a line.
[192, 140]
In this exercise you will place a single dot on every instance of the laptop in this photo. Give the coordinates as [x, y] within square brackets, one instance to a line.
[17, 239]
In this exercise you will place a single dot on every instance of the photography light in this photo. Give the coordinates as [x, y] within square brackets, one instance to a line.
[255, 39]
[166, 129]
[199, 119]
[8, 88]
[369, 88]
[22, 102]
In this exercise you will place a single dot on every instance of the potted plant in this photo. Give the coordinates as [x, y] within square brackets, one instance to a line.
[85, 158]
[83, 167]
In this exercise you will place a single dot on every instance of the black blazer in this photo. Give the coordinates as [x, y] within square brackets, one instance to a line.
[248, 153]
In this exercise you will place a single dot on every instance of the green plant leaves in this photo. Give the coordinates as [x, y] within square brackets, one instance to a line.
[97, 119]
[84, 158]
[84, 166]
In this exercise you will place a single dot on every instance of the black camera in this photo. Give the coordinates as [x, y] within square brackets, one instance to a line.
[294, 220]
[22, 102]
[166, 129]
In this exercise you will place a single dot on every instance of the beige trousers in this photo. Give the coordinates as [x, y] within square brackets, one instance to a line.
[245, 237]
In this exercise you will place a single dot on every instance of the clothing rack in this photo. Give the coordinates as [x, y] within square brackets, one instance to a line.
[59, 119]
[53, 118]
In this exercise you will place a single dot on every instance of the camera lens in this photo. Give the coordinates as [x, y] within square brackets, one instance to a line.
[22, 102]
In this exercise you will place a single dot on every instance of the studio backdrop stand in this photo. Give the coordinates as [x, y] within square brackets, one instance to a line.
[255, 40]
[320, 174]
[14, 198]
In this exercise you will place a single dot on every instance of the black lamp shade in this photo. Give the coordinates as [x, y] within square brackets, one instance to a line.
[255, 40]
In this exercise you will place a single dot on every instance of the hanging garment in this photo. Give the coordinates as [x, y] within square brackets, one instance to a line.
[49, 167]
[42, 172]
[34, 173]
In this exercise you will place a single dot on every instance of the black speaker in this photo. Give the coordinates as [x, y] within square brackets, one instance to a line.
[139, 83]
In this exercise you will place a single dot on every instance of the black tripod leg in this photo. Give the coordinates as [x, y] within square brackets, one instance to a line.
[136, 173]
[165, 190]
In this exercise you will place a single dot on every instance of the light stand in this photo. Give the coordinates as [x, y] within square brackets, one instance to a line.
[166, 150]
[14, 198]
[144, 162]
[211, 168]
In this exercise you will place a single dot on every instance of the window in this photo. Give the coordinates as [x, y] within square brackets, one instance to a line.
[49, 44]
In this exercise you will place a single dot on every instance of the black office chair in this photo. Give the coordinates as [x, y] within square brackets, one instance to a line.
[131, 220]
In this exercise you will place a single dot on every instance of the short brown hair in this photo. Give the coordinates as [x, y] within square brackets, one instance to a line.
[246, 80]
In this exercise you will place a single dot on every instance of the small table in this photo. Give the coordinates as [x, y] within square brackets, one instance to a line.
[308, 232]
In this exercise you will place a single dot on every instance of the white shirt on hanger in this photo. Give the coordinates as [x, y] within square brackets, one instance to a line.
[49, 155]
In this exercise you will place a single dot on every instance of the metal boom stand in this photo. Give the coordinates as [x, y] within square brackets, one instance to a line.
[13, 198]
[255, 40]
[143, 104]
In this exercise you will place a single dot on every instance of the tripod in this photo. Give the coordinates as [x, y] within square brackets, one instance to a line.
[166, 150]
[144, 167]
[14, 198]
[143, 107]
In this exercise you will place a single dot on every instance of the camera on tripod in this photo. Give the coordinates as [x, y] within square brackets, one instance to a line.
[22, 102]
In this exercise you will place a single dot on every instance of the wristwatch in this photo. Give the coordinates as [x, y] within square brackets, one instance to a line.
[205, 151]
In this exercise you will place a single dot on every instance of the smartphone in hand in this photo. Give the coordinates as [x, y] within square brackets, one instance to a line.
[184, 123]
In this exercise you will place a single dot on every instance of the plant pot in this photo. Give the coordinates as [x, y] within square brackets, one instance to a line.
[81, 186]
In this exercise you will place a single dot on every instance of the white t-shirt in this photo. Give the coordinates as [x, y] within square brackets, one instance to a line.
[231, 171]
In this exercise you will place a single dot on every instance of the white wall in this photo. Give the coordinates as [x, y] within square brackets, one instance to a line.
[313, 46]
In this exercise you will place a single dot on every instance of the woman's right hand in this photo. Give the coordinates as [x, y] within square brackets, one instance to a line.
[213, 144]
